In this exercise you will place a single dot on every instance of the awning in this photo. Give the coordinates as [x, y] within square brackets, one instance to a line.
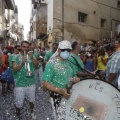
[10, 4]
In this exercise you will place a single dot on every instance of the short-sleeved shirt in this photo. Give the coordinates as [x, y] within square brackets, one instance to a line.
[58, 72]
[10, 64]
[100, 64]
[48, 55]
[21, 79]
[36, 54]
[10, 59]
[113, 66]
[74, 64]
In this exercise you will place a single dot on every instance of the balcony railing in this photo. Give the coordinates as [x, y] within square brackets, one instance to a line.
[41, 27]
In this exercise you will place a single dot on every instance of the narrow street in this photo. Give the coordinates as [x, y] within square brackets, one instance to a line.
[7, 108]
[71, 41]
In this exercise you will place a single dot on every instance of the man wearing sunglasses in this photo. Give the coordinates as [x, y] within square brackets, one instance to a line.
[58, 72]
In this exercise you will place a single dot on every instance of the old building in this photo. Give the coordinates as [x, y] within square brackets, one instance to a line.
[20, 32]
[78, 19]
[9, 34]
[84, 19]
[5, 7]
[41, 25]
[38, 26]
[13, 26]
[32, 36]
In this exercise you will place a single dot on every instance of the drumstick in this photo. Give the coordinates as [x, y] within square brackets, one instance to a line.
[84, 70]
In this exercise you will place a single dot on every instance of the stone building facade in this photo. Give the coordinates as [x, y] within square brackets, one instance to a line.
[76, 19]
[86, 19]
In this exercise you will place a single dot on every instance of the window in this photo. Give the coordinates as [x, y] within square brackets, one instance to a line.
[82, 17]
[103, 22]
[118, 3]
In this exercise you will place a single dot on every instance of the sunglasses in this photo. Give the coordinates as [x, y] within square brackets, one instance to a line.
[65, 50]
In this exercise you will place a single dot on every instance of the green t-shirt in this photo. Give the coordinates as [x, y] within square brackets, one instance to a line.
[76, 68]
[48, 55]
[10, 64]
[36, 55]
[58, 72]
[10, 59]
[21, 79]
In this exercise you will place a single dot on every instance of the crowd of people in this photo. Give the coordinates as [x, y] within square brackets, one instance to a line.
[65, 62]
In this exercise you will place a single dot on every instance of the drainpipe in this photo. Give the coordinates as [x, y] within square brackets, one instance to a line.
[63, 18]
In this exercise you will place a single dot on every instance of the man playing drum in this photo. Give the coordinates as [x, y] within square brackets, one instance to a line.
[59, 72]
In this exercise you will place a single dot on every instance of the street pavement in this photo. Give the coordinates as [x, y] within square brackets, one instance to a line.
[43, 107]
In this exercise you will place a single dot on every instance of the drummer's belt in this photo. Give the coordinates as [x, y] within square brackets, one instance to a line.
[56, 98]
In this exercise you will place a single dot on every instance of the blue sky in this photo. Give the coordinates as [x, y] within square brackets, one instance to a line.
[24, 8]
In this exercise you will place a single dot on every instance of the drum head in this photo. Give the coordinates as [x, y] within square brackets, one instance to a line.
[91, 99]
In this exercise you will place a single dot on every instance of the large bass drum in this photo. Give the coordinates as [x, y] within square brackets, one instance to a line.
[91, 99]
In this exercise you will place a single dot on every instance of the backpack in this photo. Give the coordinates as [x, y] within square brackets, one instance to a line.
[7, 75]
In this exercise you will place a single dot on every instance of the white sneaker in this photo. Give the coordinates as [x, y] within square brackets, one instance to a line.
[33, 116]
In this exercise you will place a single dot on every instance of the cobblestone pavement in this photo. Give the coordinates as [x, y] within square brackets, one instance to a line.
[43, 107]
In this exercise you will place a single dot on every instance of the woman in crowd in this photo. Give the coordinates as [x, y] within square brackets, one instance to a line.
[89, 62]
[102, 59]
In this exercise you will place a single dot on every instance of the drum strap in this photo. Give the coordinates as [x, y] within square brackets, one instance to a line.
[78, 65]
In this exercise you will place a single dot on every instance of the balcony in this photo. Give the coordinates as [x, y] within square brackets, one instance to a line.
[41, 29]
[10, 4]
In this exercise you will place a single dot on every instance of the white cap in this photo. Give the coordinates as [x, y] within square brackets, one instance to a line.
[64, 45]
